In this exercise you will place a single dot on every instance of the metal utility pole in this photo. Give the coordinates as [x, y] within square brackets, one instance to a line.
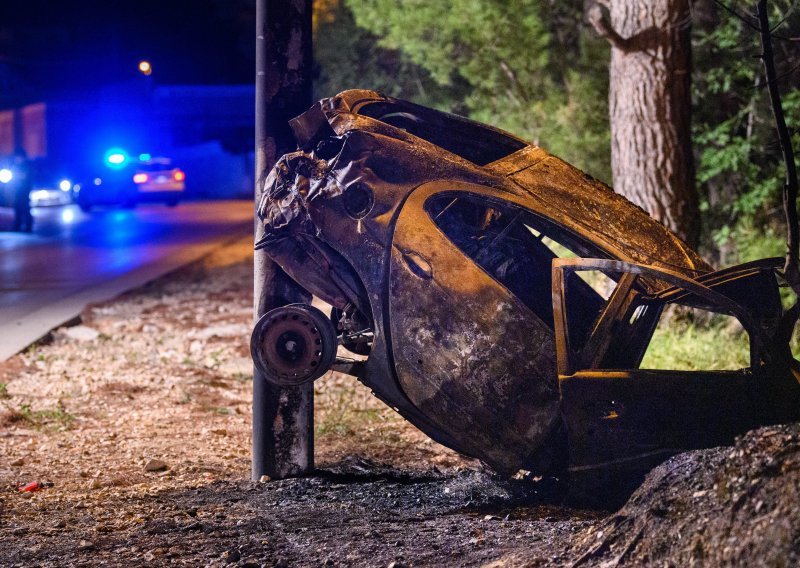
[283, 418]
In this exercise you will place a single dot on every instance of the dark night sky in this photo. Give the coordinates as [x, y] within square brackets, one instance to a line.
[58, 47]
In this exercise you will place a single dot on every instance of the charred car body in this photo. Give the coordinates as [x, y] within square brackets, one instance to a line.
[454, 255]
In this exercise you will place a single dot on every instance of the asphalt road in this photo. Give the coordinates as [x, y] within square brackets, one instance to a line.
[74, 258]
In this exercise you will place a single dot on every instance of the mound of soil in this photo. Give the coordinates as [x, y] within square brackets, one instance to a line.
[720, 507]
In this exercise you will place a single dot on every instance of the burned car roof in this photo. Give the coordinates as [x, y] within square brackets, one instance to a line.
[451, 253]
[528, 173]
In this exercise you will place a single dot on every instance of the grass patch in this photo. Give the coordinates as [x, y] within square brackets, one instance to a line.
[58, 417]
[240, 377]
[4, 391]
[343, 408]
[348, 421]
[686, 345]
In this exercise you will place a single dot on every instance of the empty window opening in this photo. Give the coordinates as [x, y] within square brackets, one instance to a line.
[689, 339]
[516, 248]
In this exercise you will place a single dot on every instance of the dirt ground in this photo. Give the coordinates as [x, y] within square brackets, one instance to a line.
[139, 416]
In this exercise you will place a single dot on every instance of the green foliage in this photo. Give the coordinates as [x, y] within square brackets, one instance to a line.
[749, 241]
[739, 167]
[498, 48]
[348, 57]
[527, 66]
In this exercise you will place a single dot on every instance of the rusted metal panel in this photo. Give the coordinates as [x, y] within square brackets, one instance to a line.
[467, 354]
[442, 234]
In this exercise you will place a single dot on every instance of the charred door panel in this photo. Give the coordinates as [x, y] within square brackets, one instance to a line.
[467, 352]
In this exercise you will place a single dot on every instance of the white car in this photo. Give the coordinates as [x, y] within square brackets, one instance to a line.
[46, 196]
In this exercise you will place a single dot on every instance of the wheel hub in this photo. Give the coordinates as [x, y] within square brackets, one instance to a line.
[293, 344]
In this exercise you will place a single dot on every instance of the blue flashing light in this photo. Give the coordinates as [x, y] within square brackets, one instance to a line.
[65, 185]
[145, 157]
[116, 158]
[6, 175]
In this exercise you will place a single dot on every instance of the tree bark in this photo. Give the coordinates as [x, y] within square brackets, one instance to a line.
[650, 107]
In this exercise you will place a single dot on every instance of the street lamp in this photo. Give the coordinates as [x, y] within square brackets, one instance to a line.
[145, 68]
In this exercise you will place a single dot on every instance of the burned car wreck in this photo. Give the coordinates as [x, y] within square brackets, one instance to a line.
[456, 257]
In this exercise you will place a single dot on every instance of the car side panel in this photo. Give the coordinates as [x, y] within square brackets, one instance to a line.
[468, 354]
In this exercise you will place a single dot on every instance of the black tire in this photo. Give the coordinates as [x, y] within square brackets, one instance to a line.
[293, 345]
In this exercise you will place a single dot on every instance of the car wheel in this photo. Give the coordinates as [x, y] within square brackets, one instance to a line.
[293, 345]
[85, 207]
[172, 203]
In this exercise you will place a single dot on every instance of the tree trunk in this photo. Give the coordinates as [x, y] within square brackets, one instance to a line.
[650, 107]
